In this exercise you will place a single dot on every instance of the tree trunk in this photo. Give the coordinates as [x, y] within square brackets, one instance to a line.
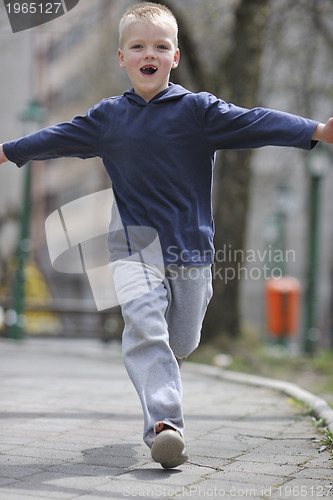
[236, 78]
[241, 71]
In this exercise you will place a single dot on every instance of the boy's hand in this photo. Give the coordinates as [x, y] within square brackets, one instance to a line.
[3, 157]
[324, 132]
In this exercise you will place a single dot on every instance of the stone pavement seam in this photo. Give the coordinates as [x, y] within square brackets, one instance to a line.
[317, 405]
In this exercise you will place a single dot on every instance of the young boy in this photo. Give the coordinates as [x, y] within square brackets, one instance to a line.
[158, 143]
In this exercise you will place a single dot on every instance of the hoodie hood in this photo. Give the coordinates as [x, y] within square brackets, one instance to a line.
[174, 91]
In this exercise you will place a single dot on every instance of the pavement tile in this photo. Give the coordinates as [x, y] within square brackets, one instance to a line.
[284, 470]
[5, 481]
[35, 462]
[10, 495]
[287, 447]
[18, 471]
[78, 482]
[254, 477]
[221, 451]
[43, 454]
[38, 492]
[309, 472]
[295, 459]
[82, 469]
[322, 461]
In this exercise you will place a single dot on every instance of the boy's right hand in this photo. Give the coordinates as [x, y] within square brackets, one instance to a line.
[324, 132]
[3, 157]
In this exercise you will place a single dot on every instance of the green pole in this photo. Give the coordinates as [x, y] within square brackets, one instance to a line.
[283, 242]
[283, 204]
[33, 115]
[312, 271]
[15, 329]
[318, 164]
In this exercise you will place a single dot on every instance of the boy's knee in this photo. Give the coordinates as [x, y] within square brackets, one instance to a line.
[183, 350]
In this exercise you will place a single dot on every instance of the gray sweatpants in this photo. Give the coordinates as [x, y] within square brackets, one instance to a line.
[162, 327]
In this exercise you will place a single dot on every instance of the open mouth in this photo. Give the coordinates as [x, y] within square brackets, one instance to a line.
[148, 70]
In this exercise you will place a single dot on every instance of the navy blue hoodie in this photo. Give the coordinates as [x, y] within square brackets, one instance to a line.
[160, 156]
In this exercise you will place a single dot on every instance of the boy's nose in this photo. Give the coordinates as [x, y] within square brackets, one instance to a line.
[150, 54]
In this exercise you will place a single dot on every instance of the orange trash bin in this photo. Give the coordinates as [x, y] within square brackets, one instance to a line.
[282, 306]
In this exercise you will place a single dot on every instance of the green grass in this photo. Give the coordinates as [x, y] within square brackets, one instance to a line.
[328, 439]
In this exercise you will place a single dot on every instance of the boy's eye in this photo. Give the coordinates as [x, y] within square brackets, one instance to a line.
[137, 46]
[162, 47]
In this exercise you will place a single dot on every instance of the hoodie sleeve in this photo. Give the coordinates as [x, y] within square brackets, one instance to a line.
[231, 127]
[80, 138]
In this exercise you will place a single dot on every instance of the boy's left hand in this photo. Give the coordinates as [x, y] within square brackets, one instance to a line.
[324, 132]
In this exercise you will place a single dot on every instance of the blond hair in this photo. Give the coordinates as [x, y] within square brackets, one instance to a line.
[148, 12]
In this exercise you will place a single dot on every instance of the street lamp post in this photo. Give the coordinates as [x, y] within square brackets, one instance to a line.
[317, 166]
[32, 117]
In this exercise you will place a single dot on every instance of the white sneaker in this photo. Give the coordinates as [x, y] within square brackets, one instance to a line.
[169, 449]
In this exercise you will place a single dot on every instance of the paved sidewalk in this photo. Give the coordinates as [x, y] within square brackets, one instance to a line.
[71, 428]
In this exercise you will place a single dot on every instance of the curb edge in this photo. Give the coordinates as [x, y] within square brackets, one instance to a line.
[319, 406]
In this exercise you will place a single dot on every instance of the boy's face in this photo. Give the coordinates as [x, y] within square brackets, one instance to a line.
[148, 53]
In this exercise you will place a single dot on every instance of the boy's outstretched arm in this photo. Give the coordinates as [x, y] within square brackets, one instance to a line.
[3, 157]
[81, 138]
[324, 132]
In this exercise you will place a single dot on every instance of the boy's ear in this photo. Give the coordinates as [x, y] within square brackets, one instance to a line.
[176, 59]
[121, 58]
